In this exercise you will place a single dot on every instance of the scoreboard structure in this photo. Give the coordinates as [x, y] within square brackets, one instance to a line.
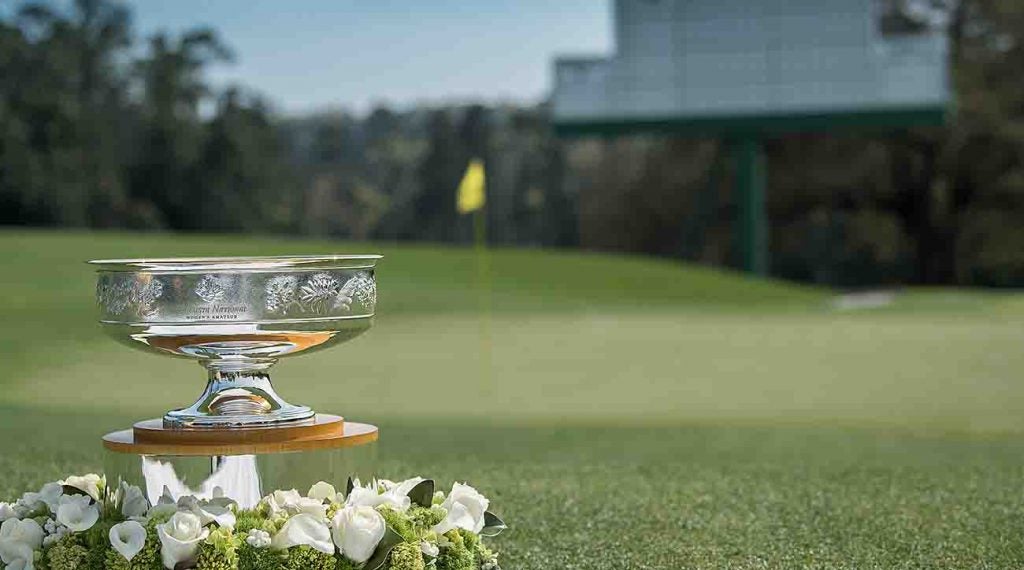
[746, 69]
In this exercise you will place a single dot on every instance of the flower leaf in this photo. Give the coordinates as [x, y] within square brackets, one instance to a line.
[492, 525]
[390, 540]
[423, 493]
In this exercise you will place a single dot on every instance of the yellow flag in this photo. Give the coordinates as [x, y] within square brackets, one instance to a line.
[471, 189]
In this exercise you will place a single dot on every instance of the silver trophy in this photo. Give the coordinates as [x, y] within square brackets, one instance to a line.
[237, 316]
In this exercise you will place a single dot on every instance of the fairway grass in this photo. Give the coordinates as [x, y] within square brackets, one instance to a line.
[621, 412]
[698, 496]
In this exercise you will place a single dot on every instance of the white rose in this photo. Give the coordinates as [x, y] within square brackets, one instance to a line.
[179, 538]
[385, 492]
[362, 497]
[304, 529]
[314, 507]
[19, 558]
[322, 491]
[357, 531]
[466, 508]
[77, 512]
[281, 501]
[292, 503]
[133, 501]
[429, 549]
[258, 538]
[370, 497]
[458, 517]
[89, 484]
[29, 504]
[51, 494]
[18, 540]
[128, 538]
[25, 531]
[217, 510]
[7, 512]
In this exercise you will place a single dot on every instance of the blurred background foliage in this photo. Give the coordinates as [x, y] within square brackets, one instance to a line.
[99, 129]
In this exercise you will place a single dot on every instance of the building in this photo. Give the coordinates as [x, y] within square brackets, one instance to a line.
[746, 69]
[716, 63]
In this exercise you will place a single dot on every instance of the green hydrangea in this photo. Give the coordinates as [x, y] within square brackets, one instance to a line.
[97, 540]
[481, 553]
[68, 553]
[398, 523]
[86, 550]
[424, 519]
[160, 517]
[471, 540]
[147, 559]
[250, 558]
[219, 551]
[346, 564]
[305, 558]
[455, 555]
[487, 558]
[248, 520]
[406, 556]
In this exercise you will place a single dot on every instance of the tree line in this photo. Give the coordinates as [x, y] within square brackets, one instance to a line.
[99, 129]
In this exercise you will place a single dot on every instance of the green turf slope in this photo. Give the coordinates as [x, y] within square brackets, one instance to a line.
[622, 412]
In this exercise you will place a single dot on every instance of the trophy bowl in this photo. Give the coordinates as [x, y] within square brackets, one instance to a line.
[236, 316]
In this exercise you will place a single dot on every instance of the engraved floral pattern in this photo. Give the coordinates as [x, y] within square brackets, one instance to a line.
[319, 292]
[144, 296]
[112, 295]
[136, 294]
[280, 293]
[213, 288]
[193, 298]
[361, 288]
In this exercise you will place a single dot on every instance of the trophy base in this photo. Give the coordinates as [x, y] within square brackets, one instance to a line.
[242, 464]
[238, 395]
[190, 417]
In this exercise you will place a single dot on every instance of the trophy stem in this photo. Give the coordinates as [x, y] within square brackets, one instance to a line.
[238, 394]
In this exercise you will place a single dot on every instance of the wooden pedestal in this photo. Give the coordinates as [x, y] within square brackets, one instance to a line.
[245, 463]
[151, 437]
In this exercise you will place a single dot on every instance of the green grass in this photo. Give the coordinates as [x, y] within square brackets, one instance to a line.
[622, 412]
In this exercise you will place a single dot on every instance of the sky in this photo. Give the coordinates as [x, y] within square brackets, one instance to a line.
[310, 55]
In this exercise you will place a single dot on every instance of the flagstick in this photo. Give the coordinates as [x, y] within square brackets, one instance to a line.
[483, 276]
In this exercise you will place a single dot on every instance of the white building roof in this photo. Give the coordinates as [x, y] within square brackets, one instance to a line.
[702, 62]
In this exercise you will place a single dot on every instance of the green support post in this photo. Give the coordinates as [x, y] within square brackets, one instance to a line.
[750, 173]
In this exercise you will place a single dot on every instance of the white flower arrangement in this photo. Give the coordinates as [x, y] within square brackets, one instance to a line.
[127, 538]
[357, 531]
[79, 523]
